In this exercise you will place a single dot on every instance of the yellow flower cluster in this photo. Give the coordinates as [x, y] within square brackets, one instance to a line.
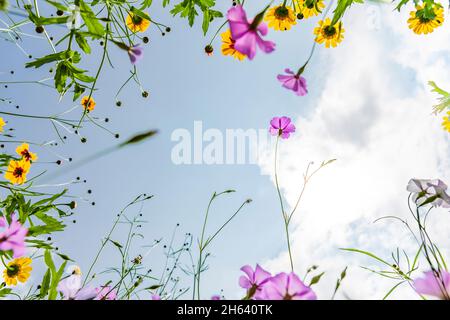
[281, 18]
[329, 34]
[88, 103]
[136, 23]
[446, 122]
[423, 22]
[17, 270]
[17, 170]
[228, 46]
[309, 8]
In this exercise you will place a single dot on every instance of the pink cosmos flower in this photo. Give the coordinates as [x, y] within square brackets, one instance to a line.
[294, 82]
[12, 236]
[156, 297]
[285, 286]
[136, 53]
[247, 34]
[71, 289]
[216, 297]
[433, 285]
[281, 126]
[106, 293]
[253, 281]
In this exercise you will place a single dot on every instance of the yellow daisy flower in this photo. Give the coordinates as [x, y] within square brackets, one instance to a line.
[446, 122]
[309, 8]
[24, 151]
[328, 34]
[17, 171]
[136, 23]
[280, 18]
[228, 46]
[18, 269]
[2, 124]
[421, 23]
[88, 103]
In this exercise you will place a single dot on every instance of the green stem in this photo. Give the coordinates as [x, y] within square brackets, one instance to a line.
[285, 218]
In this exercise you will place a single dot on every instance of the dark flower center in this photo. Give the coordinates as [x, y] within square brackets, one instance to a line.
[18, 172]
[287, 297]
[12, 270]
[136, 20]
[281, 12]
[426, 16]
[26, 154]
[329, 31]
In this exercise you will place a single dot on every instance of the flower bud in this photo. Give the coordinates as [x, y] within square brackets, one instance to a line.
[209, 50]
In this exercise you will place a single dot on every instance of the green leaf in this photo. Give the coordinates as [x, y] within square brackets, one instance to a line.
[82, 43]
[367, 254]
[91, 21]
[57, 5]
[401, 4]
[341, 7]
[316, 279]
[206, 21]
[444, 99]
[140, 14]
[55, 275]
[77, 91]
[61, 75]
[45, 284]
[156, 286]
[49, 261]
[49, 58]
[4, 292]
[147, 3]
[64, 257]
[188, 9]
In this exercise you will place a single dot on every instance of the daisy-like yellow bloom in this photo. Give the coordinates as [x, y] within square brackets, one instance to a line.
[446, 122]
[2, 124]
[280, 18]
[329, 34]
[88, 103]
[136, 23]
[18, 270]
[309, 8]
[228, 46]
[422, 23]
[17, 171]
[24, 151]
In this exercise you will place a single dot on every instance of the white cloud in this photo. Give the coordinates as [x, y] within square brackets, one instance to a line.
[373, 115]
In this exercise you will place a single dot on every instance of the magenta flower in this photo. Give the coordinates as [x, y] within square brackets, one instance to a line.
[216, 297]
[156, 297]
[294, 82]
[12, 236]
[247, 34]
[253, 281]
[285, 286]
[70, 288]
[281, 126]
[106, 293]
[136, 53]
[434, 285]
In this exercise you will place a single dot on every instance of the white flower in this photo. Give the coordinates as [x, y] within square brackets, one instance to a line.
[429, 191]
